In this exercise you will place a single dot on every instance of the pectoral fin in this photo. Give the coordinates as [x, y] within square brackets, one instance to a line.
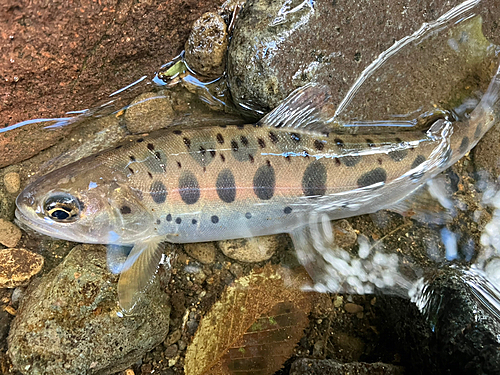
[138, 271]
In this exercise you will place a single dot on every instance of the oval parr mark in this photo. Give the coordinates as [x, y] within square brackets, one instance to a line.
[314, 179]
[214, 219]
[264, 182]
[398, 155]
[158, 192]
[189, 189]
[373, 177]
[226, 186]
[464, 146]
[418, 160]
[202, 150]
[350, 160]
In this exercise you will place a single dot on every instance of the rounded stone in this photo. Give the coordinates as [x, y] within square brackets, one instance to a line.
[70, 321]
[204, 252]
[256, 249]
[12, 182]
[10, 234]
[149, 111]
[207, 45]
[18, 266]
[344, 234]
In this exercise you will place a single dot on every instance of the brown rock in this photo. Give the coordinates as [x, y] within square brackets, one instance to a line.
[10, 234]
[352, 308]
[207, 45]
[17, 266]
[149, 111]
[203, 251]
[60, 57]
[12, 182]
[344, 234]
[255, 249]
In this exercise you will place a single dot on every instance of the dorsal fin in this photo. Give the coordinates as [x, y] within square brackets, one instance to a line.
[304, 109]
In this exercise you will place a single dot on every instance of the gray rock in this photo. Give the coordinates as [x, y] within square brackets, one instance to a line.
[330, 367]
[249, 250]
[69, 324]
[272, 52]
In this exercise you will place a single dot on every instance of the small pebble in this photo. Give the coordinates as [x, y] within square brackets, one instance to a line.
[17, 266]
[128, 371]
[339, 300]
[173, 338]
[352, 308]
[182, 344]
[255, 249]
[149, 111]
[10, 234]
[206, 46]
[12, 182]
[204, 252]
[344, 234]
[146, 369]
[171, 351]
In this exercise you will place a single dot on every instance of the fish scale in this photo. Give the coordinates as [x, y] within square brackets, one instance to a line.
[227, 182]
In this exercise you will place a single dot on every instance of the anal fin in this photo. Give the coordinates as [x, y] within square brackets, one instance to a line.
[138, 271]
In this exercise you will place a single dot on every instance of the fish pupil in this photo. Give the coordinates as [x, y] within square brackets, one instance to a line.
[59, 214]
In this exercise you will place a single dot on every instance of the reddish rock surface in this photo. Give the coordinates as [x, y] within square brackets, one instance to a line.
[63, 55]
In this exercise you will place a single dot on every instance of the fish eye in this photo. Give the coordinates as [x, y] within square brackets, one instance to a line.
[62, 208]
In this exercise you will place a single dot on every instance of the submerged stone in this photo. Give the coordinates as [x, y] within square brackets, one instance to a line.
[69, 322]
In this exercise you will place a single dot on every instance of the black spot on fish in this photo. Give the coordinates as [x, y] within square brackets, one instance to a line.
[212, 153]
[132, 158]
[370, 143]
[125, 210]
[177, 132]
[479, 131]
[244, 141]
[223, 158]
[178, 220]
[234, 146]
[337, 161]
[179, 164]
[202, 145]
[379, 160]
[194, 221]
[215, 219]
[318, 145]
[158, 221]
[151, 147]
[189, 189]
[169, 217]
[261, 142]
[339, 142]
[295, 137]
[248, 215]
[226, 186]
[158, 157]
[150, 175]
[140, 140]
[158, 192]
[131, 170]
[264, 182]
[187, 142]
[375, 176]
[351, 160]
[273, 137]
[418, 160]
[223, 126]
[202, 150]
[220, 138]
[118, 147]
[250, 157]
[288, 158]
[314, 179]
[464, 145]
[287, 210]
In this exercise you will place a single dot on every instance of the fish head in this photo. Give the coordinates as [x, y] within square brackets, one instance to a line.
[85, 203]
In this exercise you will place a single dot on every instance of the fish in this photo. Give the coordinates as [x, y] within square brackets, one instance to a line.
[226, 182]
[291, 172]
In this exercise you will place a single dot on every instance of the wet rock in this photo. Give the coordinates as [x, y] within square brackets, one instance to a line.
[10, 234]
[331, 367]
[12, 182]
[18, 266]
[353, 308]
[72, 65]
[344, 234]
[69, 324]
[275, 50]
[255, 249]
[149, 111]
[207, 45]
[204, 252]
[456, 333]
